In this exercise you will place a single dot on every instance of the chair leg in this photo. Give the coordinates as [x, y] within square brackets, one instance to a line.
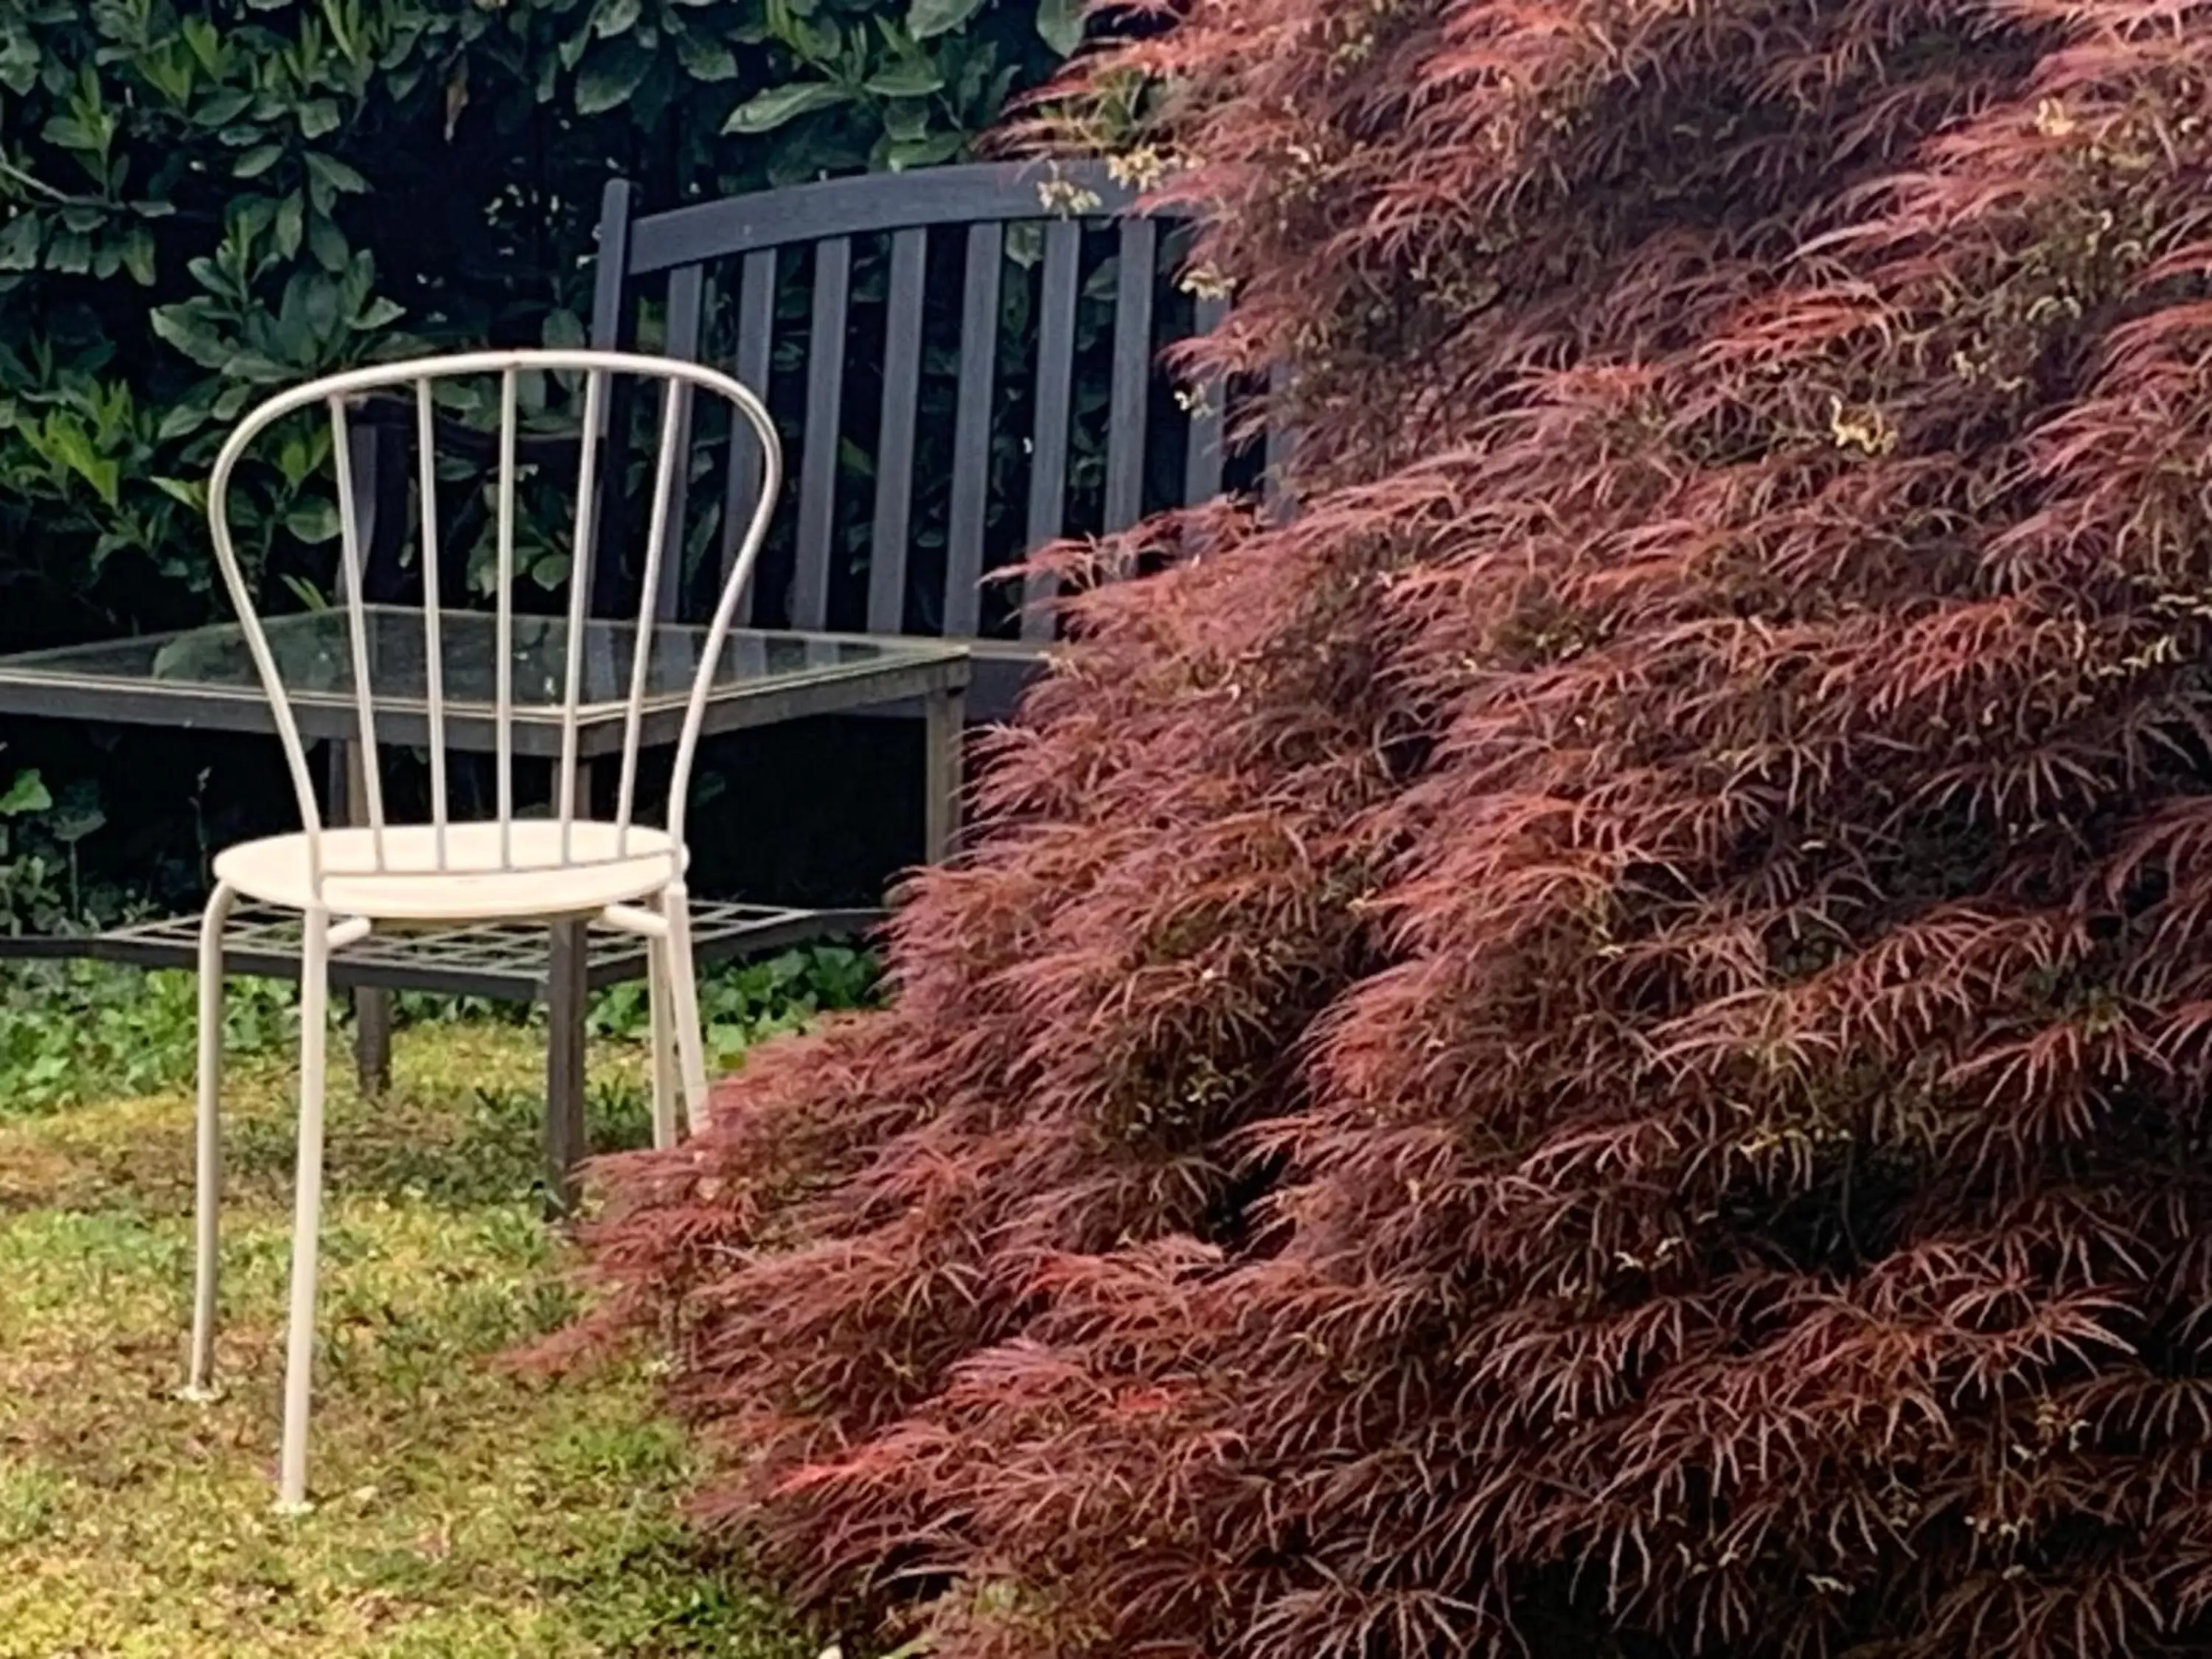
[206, 1135]
[684, 1006]
[664, 1049]
[307, 1215]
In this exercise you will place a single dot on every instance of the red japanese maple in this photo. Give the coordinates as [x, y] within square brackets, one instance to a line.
[1600, 1044]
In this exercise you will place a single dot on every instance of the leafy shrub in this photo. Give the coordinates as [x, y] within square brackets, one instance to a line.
[39, 881]
[744, 1003]
[199, 202]
[1599, 1046]
[73, 1032]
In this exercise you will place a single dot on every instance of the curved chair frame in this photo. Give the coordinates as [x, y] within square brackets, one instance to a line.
[356, 878]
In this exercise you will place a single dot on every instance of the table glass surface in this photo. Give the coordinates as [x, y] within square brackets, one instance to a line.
[314, 658]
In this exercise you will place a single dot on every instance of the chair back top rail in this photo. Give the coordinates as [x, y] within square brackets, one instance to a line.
[602, 372]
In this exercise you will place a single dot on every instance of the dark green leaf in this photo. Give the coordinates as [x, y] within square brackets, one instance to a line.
[257, 160]
[19, 63]
[932, 151]
[1059, 24]
[975, 69]
[205, 43]
[313, 522]
[67, 132]
[310, 598]
[926, 19]
[249, 215]
[300, 453]
[308, 317]
[360, 278]
[705, 60]
[327, 243]
[70, 251]
[340, 177]
[906, 120]
[138, 255]
[769, 110]
[19, 243]
[291, 217]
[611, 74]
[67, 443]
[183, 419]
[916, 78]
[253, 367]
[27, 793]
[77, 814]
[378, 313]
[224, 107]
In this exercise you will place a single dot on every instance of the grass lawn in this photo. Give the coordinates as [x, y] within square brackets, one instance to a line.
[461, 1510]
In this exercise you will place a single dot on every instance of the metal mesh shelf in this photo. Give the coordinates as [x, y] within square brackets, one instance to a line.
[504, 961]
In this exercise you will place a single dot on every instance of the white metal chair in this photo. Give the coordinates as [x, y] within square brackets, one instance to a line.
[347, 882]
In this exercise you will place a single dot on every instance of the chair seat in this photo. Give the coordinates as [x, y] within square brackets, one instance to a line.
[473, 886]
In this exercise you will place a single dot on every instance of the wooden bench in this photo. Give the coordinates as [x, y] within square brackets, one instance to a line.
[965, 362]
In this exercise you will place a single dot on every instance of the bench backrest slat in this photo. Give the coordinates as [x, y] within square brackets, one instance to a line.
[931, 539]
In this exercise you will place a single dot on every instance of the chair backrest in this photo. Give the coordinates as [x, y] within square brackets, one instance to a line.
[987, 240]
[603, 374]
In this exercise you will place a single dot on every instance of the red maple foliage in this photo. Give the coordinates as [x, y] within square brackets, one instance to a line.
[1601, 1043]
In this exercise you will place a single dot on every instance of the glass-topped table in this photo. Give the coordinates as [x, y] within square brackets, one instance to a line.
[204, 678]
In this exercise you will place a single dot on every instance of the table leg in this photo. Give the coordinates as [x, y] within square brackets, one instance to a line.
[371, 1008]
[943, 718]
[566, 994]
[371, 1039]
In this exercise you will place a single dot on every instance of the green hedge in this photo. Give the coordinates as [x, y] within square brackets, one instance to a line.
[199, 201]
